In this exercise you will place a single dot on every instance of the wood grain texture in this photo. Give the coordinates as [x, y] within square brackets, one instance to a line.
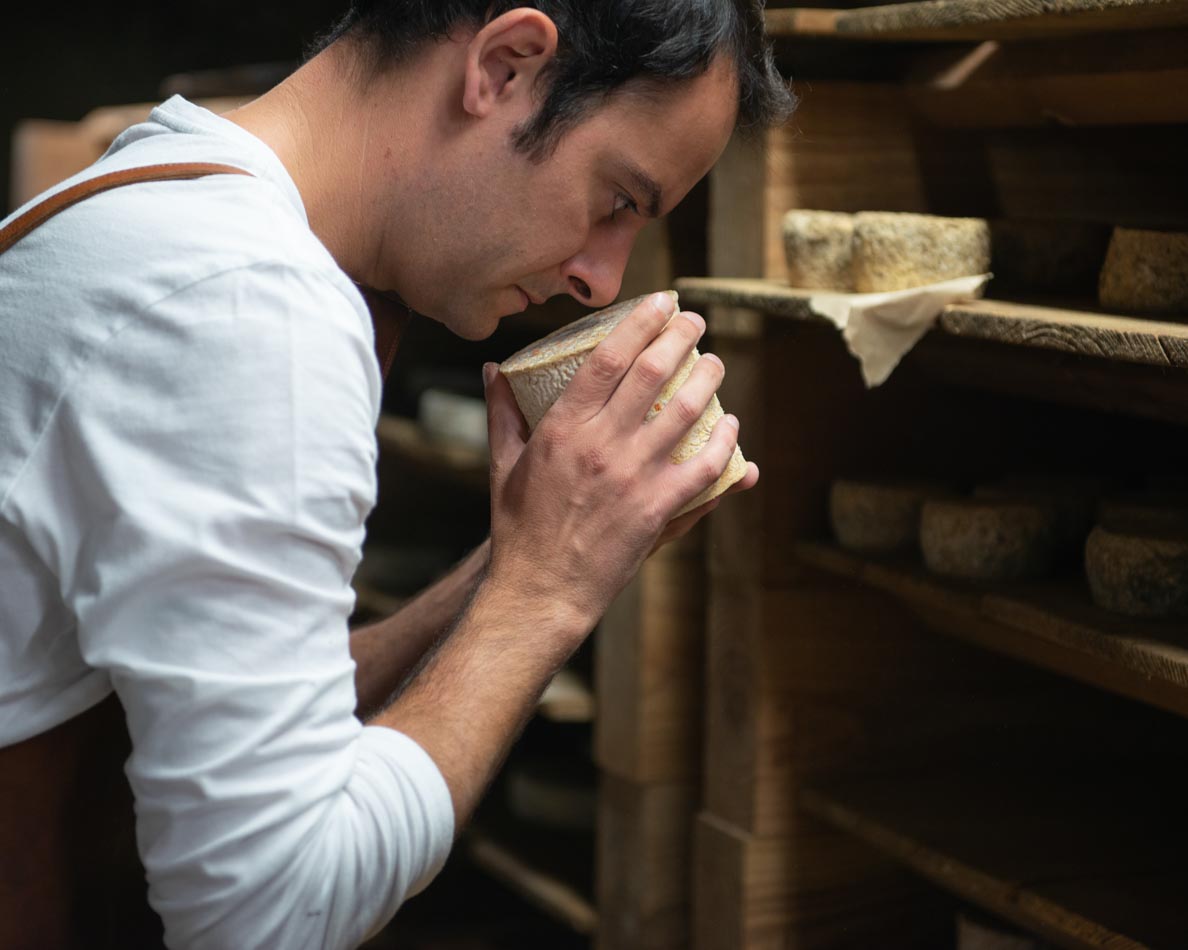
[649, 659]
[947, 20]
[814, 890]
[1040, 848]
[1051, 625]
[644, 864]
[1083, 332]
[1108, 80]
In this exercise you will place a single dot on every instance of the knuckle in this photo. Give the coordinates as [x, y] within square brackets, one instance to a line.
[709, 468]
[685, 411]
[651, 371]
[607, 365]
[594, 461]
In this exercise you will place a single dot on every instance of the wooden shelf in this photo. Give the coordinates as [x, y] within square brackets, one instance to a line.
[557, 898]
[1084, 858]
[1052, 625]
[1118, 339]
[405, 439]
[966, 20]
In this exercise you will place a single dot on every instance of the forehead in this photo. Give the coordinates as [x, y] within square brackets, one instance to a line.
[672, 132]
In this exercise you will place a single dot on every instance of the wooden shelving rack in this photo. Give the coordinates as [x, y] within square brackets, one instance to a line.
[879, 740]
[942, 21]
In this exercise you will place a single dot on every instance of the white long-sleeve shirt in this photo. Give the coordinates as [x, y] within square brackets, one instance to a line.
[188, 400]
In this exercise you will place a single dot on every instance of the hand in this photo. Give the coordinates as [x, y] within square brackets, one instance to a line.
[577, 507]
[679, 527]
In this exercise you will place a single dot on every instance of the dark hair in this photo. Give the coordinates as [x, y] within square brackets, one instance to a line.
[602, 45]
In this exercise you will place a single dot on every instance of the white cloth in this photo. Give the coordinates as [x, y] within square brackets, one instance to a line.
[880, 329]
[188, 400]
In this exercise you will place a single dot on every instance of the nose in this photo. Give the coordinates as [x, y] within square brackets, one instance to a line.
[595, 274]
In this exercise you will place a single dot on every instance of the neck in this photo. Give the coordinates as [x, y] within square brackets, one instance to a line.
[343, 146]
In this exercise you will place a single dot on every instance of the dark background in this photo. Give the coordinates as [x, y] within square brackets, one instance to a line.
[59, 61]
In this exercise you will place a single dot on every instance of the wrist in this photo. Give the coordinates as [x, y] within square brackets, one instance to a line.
[533, 609]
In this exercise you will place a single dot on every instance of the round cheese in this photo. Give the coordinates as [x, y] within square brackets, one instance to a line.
[1140, 575]
[818, 247]
[1146, 272]
[989, 539]
[878, 518]
[539, 373]
[898, 251]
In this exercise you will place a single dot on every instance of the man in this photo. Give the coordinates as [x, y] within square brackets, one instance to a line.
[188, 396]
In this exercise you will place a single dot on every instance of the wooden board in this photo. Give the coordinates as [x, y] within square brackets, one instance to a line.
[1082, 332]
[817, 890]
[550, 894]
[1111, 80]
[1050, 625]
[948, 20]
[1088, 859]
[649, 660]
[644, 864]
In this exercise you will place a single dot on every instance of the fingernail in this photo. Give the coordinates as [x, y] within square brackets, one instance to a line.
[713, 358]
[731, 421]
[696, 320]
[489, 371]
[664, 304]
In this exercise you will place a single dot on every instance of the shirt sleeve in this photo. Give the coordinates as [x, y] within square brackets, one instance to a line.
[207, 478]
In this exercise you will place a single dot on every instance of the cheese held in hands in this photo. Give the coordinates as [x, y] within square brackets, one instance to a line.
[539, 373]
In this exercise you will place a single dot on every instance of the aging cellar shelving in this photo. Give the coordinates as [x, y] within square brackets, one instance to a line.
[956, 20]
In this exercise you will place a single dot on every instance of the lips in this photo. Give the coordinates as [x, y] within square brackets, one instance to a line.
[529, 297]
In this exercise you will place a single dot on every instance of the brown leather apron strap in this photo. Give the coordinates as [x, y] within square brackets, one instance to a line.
[389, 319]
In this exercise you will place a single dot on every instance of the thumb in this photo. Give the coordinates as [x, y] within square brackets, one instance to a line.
[507, 432]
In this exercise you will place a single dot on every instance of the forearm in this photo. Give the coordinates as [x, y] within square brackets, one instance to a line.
[386, 652]
[478, 690]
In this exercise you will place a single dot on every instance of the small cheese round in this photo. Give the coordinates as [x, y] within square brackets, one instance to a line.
[1146, 272]
[539, 373]
[1073, 498]
[878, 517]
[988, 539]
[895, 251]
[818, 247]
[1138, 575]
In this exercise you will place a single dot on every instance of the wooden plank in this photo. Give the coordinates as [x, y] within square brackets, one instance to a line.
[948, 20]
[649, 660]
[556, 898]
[1053, 626]
[1113, 80]
[1082, 332]
[1087, 859]
[814, 890]
[644, 864]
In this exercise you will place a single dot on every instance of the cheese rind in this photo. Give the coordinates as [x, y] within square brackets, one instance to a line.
[894, 251]
[539, 373]
[988, 539]
[1146, 272]
[878, 517]
[1138, 575]
[818, 246]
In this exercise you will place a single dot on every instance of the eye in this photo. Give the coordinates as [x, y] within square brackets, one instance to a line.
[623, 202]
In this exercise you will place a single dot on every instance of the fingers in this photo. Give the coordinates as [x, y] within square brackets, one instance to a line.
[605, 367]
[698, 473]
[653, 368]
[507, 432]
[688, 404]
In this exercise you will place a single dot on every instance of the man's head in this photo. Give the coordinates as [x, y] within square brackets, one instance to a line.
[557, 128]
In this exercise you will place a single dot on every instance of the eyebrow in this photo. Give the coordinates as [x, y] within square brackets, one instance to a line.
[652, 191]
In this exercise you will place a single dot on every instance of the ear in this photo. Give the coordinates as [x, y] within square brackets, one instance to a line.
[504, 59]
